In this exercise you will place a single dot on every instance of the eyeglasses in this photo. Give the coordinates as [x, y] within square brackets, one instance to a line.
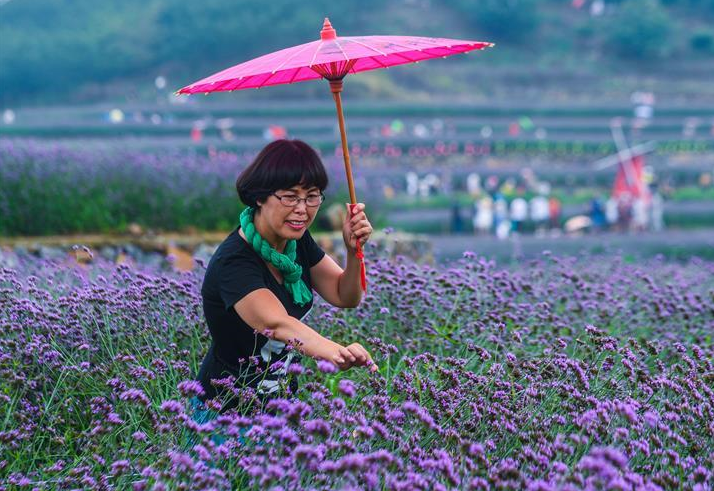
[291, 200]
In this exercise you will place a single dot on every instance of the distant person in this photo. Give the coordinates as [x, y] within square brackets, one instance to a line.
[624, 212]
[657, 211]
[457, 222]
[500, 211]
[705, 178]
[597, 215]
[483, 217]
[492, 185]
[639, 215]
[611, 213]
[473, 184]
[539, 212]
[554, 211]
[519, 213]
[503, 229]
[508, 187]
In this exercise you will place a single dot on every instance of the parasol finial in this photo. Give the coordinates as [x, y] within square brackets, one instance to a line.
[328, 32]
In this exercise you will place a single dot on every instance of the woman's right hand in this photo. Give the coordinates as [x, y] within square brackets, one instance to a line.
[352, 355]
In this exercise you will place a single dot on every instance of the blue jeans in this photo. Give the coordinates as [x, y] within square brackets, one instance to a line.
[201, 415]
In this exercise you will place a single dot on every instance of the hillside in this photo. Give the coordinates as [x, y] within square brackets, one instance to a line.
[547, 50]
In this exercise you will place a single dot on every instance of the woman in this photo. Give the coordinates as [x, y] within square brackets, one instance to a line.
[258, 285]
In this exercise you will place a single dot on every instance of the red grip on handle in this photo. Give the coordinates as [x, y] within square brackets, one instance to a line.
[359, 254]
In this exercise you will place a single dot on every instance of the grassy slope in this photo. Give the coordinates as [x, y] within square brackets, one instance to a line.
[562, 64]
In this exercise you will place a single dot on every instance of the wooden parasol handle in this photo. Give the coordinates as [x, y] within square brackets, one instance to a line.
[336, 88]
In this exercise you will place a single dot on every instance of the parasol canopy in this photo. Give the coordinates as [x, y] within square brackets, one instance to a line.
[331, 57]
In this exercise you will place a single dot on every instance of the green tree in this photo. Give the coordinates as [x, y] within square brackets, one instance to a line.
[702, 40]
[510, 21]
[697, 6]
[49, 47]
[640, 29]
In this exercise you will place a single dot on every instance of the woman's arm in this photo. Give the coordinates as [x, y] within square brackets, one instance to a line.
[339, 287]
[342, 287]
[262, 311]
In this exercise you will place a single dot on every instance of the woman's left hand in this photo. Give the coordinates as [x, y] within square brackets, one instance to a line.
[356, 227]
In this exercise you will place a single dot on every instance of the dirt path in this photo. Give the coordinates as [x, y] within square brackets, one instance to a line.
[673, 243]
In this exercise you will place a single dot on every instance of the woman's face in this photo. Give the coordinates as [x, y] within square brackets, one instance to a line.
[288, 222]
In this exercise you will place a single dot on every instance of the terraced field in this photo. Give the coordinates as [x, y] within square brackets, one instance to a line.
[563, 131]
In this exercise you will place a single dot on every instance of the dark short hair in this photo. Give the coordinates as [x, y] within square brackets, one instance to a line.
[281, 164]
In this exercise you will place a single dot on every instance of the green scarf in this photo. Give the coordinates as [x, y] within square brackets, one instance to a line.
[291, 271]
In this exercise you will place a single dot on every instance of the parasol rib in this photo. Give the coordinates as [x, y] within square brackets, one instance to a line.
[369, 47]
[290, 58]
[347, 58]
[263, 82]
[376, 59]
[317, 50]
[294, 75]
[410, 48]
[241, 81]
[404, 57]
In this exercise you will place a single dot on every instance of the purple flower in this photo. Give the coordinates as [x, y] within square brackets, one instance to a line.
[651, 418]
[540, 485]
[120, 466]
[351, 463]
[700, 475]
[346, 387]
[171, 406]
[135, 395]
[295, 369]
[114, 418]
[139, 436]
[476, 450]
[308, 452]
[395, 415]
[317, 426]
[604, 462]
[326, 366]
[190, 388]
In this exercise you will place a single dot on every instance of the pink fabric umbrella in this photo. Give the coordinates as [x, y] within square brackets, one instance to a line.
[332, 58]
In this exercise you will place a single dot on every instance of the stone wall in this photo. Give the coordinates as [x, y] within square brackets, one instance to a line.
[183, 251]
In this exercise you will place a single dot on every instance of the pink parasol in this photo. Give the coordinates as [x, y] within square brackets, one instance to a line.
[332, 58]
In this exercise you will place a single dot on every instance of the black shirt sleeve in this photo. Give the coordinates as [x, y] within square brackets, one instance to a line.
[239, 275]
[313, 251]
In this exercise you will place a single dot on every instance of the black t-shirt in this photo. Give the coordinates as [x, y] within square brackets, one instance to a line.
[235, 270]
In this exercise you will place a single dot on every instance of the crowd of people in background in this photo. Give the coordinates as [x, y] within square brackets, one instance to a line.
[628, 213]
[508, 204]
[495, 214]
[506, 208]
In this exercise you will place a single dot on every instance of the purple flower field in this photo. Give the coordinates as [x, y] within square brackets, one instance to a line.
[50, 188]
[565, 374]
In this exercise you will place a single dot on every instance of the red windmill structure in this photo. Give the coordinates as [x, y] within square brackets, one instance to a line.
[630, 178]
